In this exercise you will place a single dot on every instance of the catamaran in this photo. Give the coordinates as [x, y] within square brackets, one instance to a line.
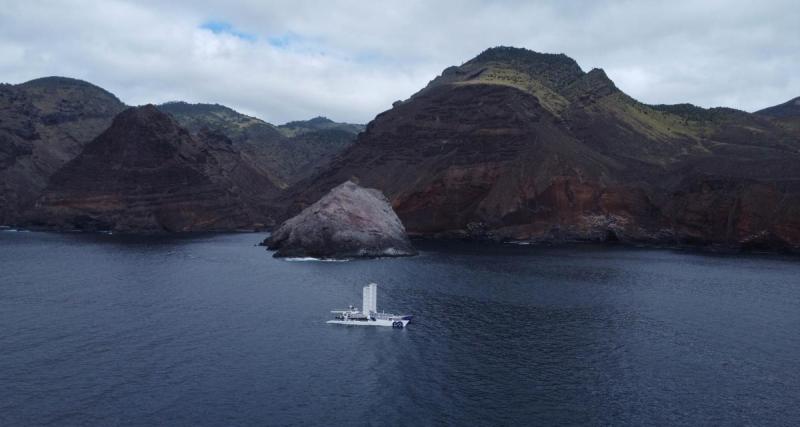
[369, 315]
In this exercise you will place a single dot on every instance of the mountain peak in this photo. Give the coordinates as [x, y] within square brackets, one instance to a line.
[789, 108]
[56, 81]
[183, 107]
[146, 125]
[319, 123]
[598, 73]
[553, 69]
[521, 54]
[320, 120]
[595, 83]
[315, 122]
[63, 96]
[144, 114]
[59, 83]
[544, 75]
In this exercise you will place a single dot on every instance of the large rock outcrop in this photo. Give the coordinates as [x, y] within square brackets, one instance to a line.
[520, 145]
[348, 222]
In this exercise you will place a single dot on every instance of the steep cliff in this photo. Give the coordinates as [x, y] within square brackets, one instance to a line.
[146, 173]
[44, 123]
[284, 153]
[519, 145]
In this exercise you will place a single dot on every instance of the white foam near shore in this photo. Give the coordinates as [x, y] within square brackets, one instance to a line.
[307, 259]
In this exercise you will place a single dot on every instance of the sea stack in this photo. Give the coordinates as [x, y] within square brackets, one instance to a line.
[348, 222]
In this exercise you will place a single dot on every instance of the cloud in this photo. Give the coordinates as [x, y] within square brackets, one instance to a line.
[285, 60]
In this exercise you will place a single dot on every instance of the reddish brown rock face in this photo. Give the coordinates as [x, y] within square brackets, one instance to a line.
[518, 145]
[147, 174]
[45, 123]
[285, 153]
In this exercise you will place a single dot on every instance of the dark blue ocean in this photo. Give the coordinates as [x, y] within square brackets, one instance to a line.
[211, 330]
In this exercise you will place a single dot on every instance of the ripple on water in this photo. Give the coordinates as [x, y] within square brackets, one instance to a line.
[110, 329]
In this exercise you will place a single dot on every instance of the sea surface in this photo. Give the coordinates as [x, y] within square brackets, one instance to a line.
[211, 330]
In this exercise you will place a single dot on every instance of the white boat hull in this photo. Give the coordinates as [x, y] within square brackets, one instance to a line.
[395, 323]
[369, 315]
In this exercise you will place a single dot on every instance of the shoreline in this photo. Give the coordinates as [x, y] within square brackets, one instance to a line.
[711, 249]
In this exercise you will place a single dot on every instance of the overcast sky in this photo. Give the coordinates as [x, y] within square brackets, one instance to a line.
[349, 60]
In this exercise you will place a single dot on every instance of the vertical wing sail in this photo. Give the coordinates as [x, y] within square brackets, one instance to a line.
[370, 299]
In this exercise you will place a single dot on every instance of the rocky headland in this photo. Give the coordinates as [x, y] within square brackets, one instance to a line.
[516, 145]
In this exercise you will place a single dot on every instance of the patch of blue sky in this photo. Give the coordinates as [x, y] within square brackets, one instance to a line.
[221, 27]
[296, 43]
[285, 40]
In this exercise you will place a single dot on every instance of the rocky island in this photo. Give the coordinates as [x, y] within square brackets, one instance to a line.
[348, 222]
